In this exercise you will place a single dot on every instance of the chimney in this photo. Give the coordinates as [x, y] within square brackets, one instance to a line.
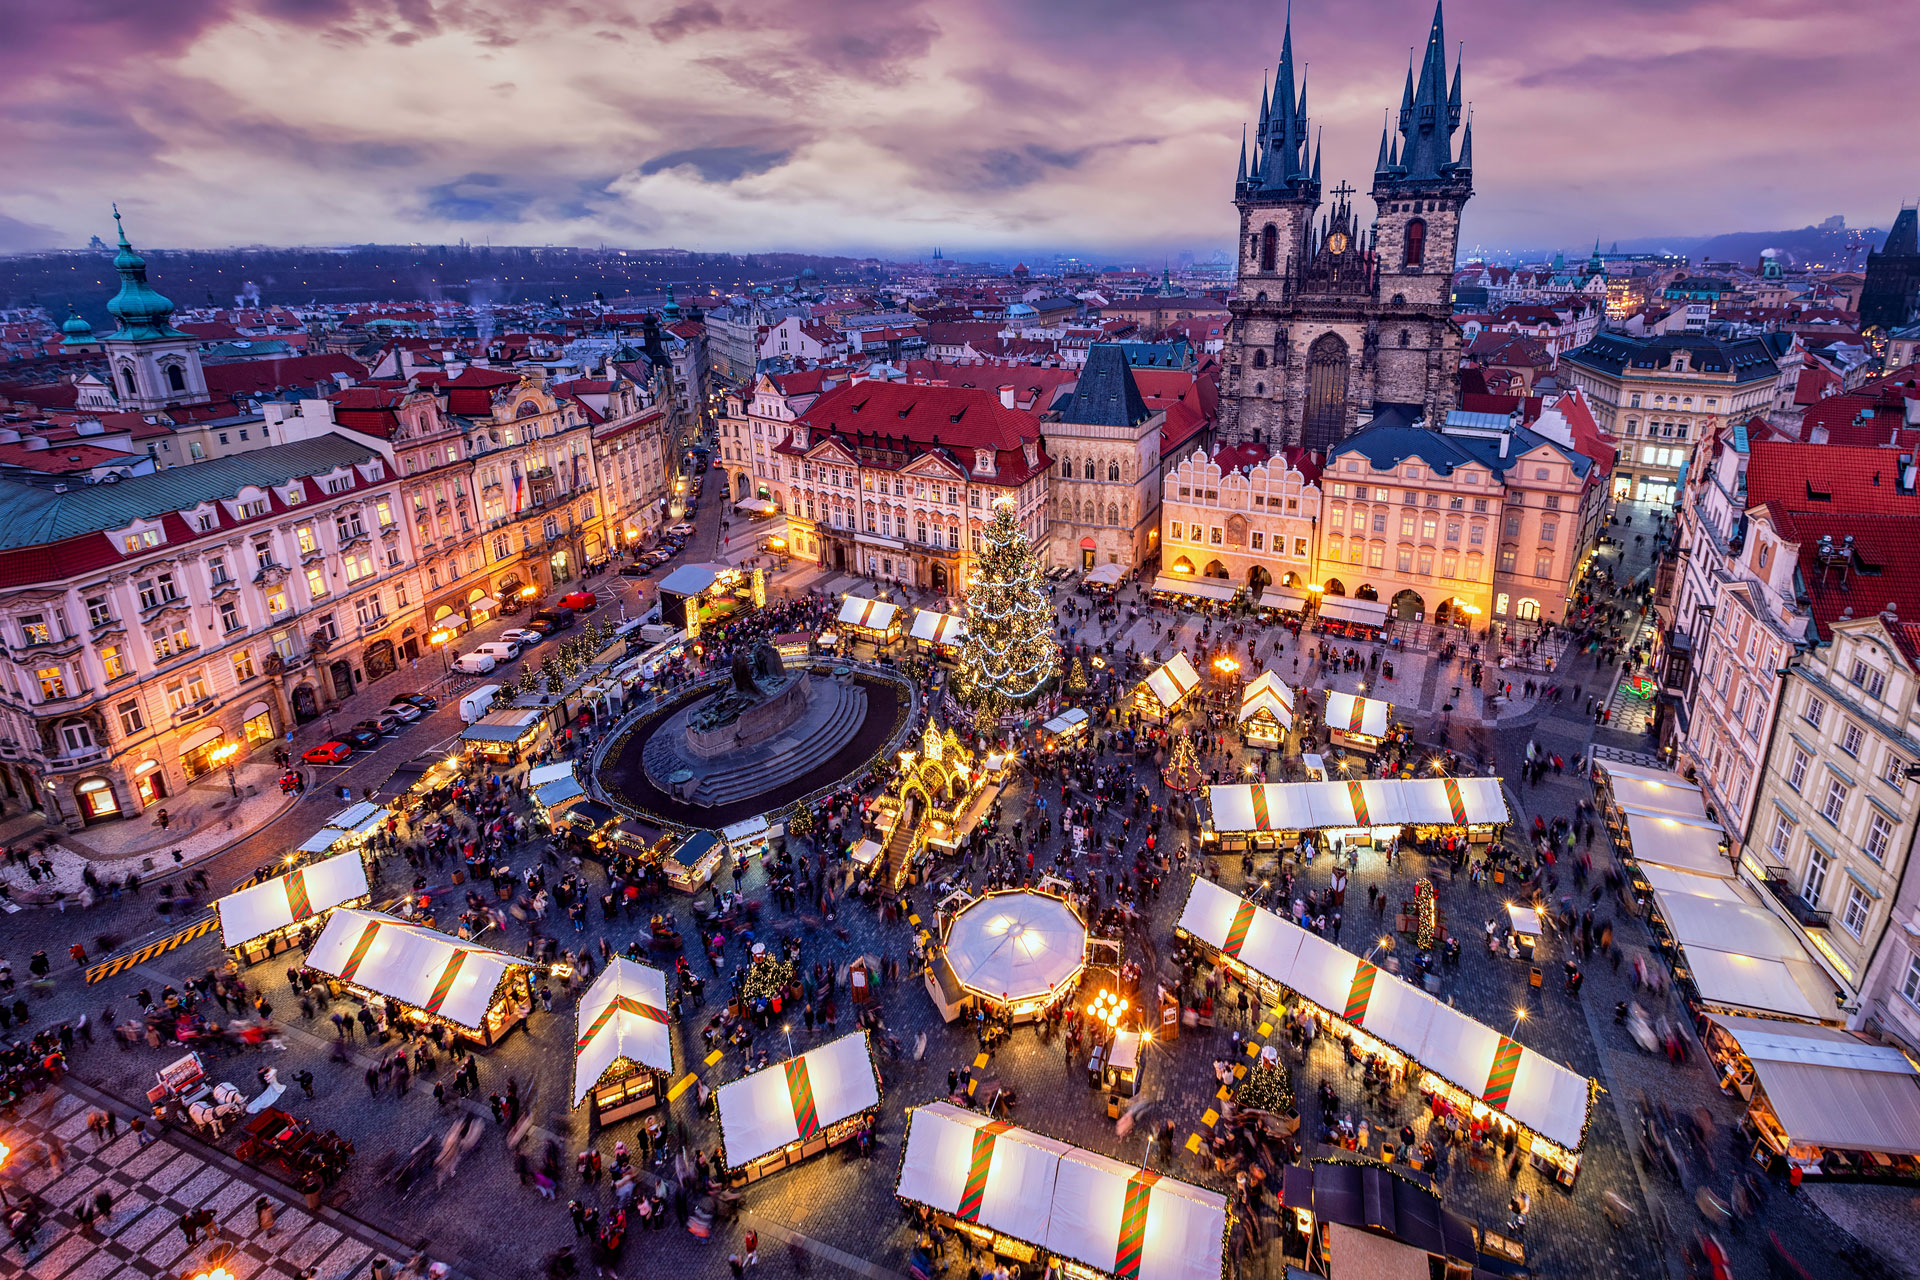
[1006, 395]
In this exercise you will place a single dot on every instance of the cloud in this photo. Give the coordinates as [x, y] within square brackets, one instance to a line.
[24, 237]
[685, 20]
[718, 164]
[477, 197]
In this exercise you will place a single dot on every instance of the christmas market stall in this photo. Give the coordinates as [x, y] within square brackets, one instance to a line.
[623, 1042]
[1045, 1204]
[689, 859]
[554, 787]
[1015, 951]
[1186, 591]
[1465, 1065]
[1158, 696]
[877, 621]
[940, 791]
[1266, 711]
[425, 975]
[1273, 815]
[267, 918]
[1104, 579]
[1359, 724]
[323, 840]
[503, 737]
[784, 1113]
[1283, 603]
[698, 598]
[1066, 730]
[748, 837]
[1821, 1103]
[1361, 619]
[939, 633]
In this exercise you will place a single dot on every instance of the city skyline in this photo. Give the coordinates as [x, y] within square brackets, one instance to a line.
[823, 128]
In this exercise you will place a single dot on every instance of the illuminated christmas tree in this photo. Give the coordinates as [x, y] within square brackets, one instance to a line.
[1077, 677]
[1267, 1087]
[1183, 767]
[1009, 654]
[1426, 914]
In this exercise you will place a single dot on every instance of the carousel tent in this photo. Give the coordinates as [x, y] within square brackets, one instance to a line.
[1375, 802]
[867, 615]
[411, 963]
[1829, 1089]
[1352, 714]
[1072, 1202]
[1534, 1090]
[1196, 588]
[288, 899]
[1172, 681]
[1268, 694]
[799, 1098]
[622, 1015]
[1366, 613]
[323, 839]
[938, 628]
[1016, 946]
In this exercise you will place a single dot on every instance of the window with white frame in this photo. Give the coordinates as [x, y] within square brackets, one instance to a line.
[1797, 769]
[1836, 802]
[1859, 906]
[1816, 711]
[1879, 837]
[1850, 739]
[1814, 882]
[1894, 772]
[1910, 985]
[1782, 835]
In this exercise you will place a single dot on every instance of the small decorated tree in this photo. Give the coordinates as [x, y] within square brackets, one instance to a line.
[1268, 1086]
[1183, 767]
[1077, 677]
[767, 977]
[1425, 913]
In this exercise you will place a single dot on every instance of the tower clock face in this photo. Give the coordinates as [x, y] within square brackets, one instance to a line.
[1337, 242]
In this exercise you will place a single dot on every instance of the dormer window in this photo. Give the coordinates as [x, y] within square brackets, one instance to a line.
[295, 495]
[140, 540]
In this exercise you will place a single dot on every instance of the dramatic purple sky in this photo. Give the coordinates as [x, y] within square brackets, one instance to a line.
[891, 126]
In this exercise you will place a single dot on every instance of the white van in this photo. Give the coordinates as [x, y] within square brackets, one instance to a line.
[477, 663]
[660, 633]
[474, 705]
[499, 650]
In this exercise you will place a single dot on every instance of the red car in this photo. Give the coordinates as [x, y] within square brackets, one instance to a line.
[328, 753]
[580, 601]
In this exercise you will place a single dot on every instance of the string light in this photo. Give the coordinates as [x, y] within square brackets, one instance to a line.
[1009, 653]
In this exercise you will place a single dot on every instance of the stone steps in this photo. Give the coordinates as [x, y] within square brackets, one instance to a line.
[774, 762]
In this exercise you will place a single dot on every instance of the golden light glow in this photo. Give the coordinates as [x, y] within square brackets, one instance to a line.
[220, 755]
[528, 593]
[1225, 664]
[440, 637]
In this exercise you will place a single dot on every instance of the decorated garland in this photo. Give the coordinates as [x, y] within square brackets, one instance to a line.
[1426, 913]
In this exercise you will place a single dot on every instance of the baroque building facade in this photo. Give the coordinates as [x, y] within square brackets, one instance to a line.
[1332, 320]
[1106, 484]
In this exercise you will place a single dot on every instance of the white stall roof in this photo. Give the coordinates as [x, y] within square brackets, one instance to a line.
[1269, 694]
[753, 828]
[1105, 575]
[1312, 806]
[1536, 1091]
[1829, 1089]
[1181, 584]
[1016, 945]
[1683, 844]
[1740, 954]
[288, 899]
[799, 1098]
[353, 815]
[869, 615]
[413, 964]
[938, 628]
[540, 777]
[323, 839]
[1658, 791]
[1523, 919]
[622, 1015]
[1173, 680]
[1370, 613]
[866, 852]
[1066, 721]
[1351, 714]
[371, 823]
[1067, 1200]
[1281, 598]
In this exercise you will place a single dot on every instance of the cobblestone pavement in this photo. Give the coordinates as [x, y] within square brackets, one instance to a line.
[839, 1213]
[149, 1189]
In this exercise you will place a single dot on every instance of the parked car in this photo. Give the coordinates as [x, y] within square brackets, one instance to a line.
[328, 753]
[635, 570]
[403, 711]
[381, 722]
[363, 739]
[474, 664]
[521, 636]
[580, 601]
[548, 621]
[681, 530]
[424, 701]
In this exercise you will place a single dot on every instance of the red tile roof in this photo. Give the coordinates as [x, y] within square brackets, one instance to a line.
[260, 377]
[63, 458]
[963, 416]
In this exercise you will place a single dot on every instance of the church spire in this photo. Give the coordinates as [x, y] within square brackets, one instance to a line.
[1465, 163]
[1430, 113]
[140, 309]
[1316, 160]
[1386, 128]
[1241, 180]
[1281, 159]
[1453, 97]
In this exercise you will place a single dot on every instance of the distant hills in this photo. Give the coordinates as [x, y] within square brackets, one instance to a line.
[1831, 245]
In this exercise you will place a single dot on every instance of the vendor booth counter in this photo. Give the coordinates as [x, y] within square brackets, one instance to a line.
[690, 859]
[1266, 711]
[1068, 729]
[1477, 1069]
[267, 918]
[939, 633]
[429, 976]
[782, 1114]
[1158, 696]
[748, 838]
[1273, 815]
[877, 621]
[623, 1045]
[1038, 1200]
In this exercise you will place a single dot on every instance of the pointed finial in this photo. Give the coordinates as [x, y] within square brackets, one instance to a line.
[1316, 156]
[120, 227]
[1243, 152]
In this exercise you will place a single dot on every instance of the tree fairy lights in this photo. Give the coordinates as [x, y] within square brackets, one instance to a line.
[1009, 654]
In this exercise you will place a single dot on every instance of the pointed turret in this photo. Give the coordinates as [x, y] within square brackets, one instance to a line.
[1429, 151]
[1453, 98]
[1263, 104]
[1386, 131]
[1241, 180]
[1279, 161]
[1464, 165]
[1406, 97]
[1316, 160]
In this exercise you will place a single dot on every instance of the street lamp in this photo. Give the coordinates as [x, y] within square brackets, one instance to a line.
[438, 640]
[788, 1028]
[222, 757]
[1519, 1016]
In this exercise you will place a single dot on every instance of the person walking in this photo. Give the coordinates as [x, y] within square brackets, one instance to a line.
[263, 1213]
